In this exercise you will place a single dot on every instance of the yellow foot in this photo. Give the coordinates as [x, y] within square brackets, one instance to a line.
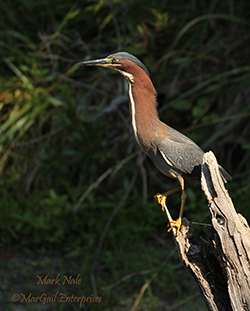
[175, 224]
[161, 200]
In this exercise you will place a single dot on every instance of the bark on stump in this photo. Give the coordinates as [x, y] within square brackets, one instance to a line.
[221, 264]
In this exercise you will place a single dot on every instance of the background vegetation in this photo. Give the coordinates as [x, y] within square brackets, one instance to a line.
[74, 185]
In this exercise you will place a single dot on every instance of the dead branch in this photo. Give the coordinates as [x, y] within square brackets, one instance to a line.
[220, 263]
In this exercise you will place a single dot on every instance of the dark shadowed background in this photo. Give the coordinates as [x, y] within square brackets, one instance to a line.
[76, 193]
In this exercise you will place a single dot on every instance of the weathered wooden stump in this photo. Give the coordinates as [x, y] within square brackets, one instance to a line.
[221, 264]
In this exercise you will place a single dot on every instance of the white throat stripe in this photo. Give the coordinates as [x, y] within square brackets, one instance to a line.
[132, 104]
[127, 75]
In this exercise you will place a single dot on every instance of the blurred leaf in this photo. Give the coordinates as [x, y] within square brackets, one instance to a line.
[198, 19]
[246, 146]
[181, 104]
[70, 15]
[22, 77]
[202, 102]
[56, 102]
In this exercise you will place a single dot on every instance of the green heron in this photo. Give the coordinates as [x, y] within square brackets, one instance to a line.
[174, 154]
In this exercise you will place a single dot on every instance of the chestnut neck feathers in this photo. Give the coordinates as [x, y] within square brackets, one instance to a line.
[143, 104]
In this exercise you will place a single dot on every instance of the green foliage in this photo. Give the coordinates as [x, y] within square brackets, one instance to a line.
[65, 144]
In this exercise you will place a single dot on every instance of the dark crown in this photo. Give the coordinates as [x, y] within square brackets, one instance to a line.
[132, 58]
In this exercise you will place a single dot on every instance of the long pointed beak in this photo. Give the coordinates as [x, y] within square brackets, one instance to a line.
[98, 62]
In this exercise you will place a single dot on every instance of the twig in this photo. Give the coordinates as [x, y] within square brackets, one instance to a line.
[117, 29]
[142, 291]
[201, 224]
[113, 169]
[146, 285]
[114, 105]
[99, 248]
[127, 277]
[240, 115]
[182, 302]
[39, 138]
[82, 85]
[13, 233]
[82, 42]
[44, 55]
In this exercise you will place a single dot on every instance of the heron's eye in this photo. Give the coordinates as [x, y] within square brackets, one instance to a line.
[115, 60]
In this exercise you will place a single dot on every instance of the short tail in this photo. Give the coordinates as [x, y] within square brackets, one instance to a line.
[224, 174]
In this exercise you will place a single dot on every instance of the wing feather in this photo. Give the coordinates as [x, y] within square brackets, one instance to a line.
[180, 152]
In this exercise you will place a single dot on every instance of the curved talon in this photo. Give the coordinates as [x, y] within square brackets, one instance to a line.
[175, 224]
[161, 200]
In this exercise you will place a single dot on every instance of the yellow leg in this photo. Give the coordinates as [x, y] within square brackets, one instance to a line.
[177, 223]
[161, 198]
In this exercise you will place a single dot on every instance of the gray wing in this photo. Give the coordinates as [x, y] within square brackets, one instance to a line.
[179, 152]
[175, 154]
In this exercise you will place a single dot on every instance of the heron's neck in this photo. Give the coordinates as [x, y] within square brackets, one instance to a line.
[143, 112]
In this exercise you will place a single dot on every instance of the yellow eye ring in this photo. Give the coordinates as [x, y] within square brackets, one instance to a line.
[115, 60]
